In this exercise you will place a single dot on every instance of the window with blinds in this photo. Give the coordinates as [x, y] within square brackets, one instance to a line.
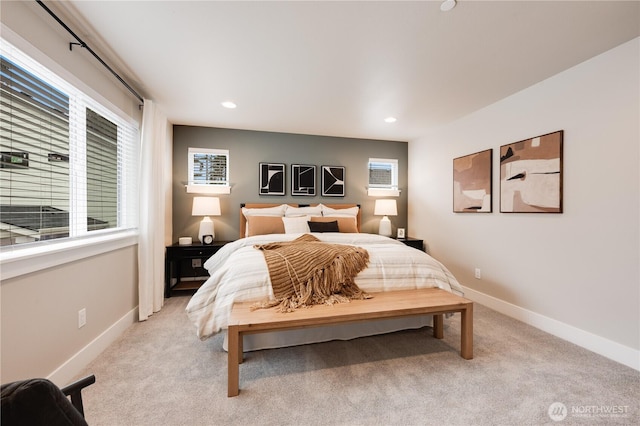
[383, 173]
[68, 165]
[208, 171]
[102, 172]
[208, 166]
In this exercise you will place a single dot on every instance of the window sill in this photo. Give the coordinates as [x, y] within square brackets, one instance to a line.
[208, 189]
[19, 261]
[383, 192]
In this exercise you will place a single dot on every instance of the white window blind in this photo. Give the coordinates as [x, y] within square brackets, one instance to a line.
[208, 171]
[68, 166]
[34, 128]
[102, 172]
[383, 177]
[383, 173]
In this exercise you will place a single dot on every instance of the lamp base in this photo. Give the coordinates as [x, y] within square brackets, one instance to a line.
[206, 228]
[385, 227]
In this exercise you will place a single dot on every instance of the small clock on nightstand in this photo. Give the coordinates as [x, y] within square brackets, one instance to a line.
[207, 239]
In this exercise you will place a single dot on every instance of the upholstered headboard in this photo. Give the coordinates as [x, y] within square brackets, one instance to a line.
[243, 219]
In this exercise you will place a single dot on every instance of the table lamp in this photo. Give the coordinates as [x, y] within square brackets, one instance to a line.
[206, 206]
[385, 208]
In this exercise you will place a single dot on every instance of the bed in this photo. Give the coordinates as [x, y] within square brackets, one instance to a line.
[239, 273]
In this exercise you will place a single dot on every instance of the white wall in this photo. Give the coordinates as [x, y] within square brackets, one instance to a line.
[574, 273]
[39, 310]
[40, 334]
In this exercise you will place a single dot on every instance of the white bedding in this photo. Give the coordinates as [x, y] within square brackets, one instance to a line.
[239, 273]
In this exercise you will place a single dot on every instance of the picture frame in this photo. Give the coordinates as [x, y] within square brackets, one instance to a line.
[401, 233]
[473, 183]
[272, 179]
[531, 175]
[303, 180]
[333, 181]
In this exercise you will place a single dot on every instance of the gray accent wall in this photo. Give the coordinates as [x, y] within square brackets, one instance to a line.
[248, 148]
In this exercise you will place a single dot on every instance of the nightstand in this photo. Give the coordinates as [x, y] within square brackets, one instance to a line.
[413, 242]
[181, 258]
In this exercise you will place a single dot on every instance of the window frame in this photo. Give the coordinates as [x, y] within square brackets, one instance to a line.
[384, 190]
[195, 187]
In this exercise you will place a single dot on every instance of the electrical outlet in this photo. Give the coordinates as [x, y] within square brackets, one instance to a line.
[82, 317]
[478, 274]
[196, 263]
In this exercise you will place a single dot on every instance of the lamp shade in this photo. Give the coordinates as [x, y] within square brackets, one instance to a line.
[206, 206]
[385, 208]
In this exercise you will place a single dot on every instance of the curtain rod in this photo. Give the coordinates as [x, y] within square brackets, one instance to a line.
[83, 44]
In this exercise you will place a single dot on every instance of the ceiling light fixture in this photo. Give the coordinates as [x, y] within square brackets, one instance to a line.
[229, 104]
[390, 120]
[447, 5]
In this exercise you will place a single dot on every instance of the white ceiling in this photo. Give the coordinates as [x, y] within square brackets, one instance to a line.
[339, 68]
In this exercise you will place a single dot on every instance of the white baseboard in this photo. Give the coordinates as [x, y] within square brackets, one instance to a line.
[605, 347]
[68, 371]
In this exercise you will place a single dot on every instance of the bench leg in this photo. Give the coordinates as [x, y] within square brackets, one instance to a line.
[233, 361]
[466, 332]
[438, 326]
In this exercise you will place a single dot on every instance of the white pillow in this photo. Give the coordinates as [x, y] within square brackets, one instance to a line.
[296, 225]
[351, 211]
[268, 211]
[303, 211]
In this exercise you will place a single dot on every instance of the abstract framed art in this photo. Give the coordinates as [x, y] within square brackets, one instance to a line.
[272, 178]
[333, 181]
[303, 180]
[472, 183]
[531, 175]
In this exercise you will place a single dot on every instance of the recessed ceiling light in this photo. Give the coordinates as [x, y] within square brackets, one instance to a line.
[447, 5]
[229, 104]
[390, 120]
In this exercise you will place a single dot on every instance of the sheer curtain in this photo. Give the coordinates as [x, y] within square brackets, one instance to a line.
[155, 212]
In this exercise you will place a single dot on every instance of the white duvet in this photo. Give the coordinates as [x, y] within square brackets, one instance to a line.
[238, 273]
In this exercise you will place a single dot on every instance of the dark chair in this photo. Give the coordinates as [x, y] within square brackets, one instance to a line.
[40, 402]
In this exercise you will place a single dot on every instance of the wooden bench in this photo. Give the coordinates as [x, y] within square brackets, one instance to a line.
[391, 304]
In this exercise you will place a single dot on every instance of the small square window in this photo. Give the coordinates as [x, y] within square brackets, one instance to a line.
[383, 177]
[208, 171]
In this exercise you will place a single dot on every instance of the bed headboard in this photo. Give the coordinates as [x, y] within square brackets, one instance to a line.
[243, 220]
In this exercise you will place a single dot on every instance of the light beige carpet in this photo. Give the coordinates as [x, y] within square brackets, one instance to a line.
[159, 373]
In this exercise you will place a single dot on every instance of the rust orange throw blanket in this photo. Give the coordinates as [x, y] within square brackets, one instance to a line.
[307, 272]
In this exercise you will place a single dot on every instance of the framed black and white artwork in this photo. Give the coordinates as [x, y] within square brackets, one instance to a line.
[333, 181]
[303, 180]
[272, 178]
